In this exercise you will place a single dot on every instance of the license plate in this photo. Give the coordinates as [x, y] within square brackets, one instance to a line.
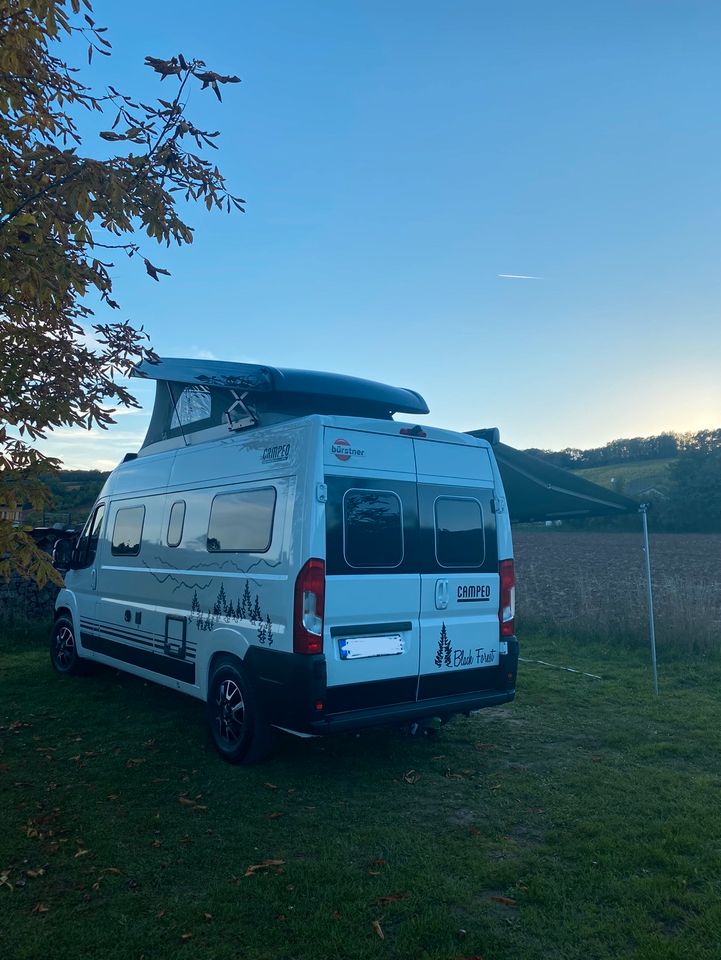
[353, 648]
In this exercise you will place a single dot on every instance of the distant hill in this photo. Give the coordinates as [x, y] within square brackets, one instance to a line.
[74, 493]
[633, 479]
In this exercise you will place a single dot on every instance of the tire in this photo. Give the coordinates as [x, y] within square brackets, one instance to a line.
[239, 730]
[63, 648]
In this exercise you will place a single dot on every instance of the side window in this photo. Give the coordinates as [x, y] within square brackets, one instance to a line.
[128, 531]
[242, 522]
[372, 528]
[175, 523]
[88, 543]
[460, 540]
[192, 406]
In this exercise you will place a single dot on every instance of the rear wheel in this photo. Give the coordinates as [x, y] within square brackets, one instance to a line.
[238, 728]
[63, 648]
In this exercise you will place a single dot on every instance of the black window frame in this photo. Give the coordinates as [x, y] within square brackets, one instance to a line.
[372, 566]
[176, 543]
[81, 558]
[235, 493]
[128, 553]
[482, 529]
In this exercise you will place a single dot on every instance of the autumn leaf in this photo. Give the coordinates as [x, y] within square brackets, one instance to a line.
[41, 908]
[274, 816]
[265, 865]
[378, 929]
[412, 776]
[505, 901]
[391, 898]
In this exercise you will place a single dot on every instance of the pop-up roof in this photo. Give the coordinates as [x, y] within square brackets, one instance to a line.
[200, 395]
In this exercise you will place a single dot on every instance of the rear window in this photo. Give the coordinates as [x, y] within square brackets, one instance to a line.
[128, 531]
[242, 522]
[372, 528]
[460, 541]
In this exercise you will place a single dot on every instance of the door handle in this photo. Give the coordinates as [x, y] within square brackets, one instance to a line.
[441, 594]
[93, 578]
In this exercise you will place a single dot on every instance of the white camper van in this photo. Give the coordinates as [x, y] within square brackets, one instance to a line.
[286, 551]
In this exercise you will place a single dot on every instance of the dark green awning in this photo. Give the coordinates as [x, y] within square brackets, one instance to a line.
[538, 491]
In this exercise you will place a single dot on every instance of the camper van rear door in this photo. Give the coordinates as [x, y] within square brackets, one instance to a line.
[459, 569]
[372, 586]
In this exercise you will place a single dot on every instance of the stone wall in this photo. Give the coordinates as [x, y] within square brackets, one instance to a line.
[21, 600]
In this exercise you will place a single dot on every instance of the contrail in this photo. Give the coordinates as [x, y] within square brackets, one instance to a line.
[517, 276]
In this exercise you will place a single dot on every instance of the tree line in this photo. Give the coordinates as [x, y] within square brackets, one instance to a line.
[664, 446]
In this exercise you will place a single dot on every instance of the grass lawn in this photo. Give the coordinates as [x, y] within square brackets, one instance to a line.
[581, 821]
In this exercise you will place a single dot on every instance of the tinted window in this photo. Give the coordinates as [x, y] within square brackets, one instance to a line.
[88, 542]
[372, 528]
[459, 532]
[128, 531]
[175, 523]
[242, 522]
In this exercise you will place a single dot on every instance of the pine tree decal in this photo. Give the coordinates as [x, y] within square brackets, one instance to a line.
[223, 602]
[245, 606]
[438, 660]
[256, 616]
[269, 630]
[230, 615]
[443, 654]
[195, 608]
[261, 632]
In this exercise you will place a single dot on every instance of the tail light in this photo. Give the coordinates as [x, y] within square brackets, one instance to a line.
[308, 608]
[507, 603]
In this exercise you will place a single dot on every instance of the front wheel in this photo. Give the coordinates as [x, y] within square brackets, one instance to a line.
[239, 730]
[63, 648]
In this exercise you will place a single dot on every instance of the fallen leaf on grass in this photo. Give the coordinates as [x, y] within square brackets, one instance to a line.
[186, 936]
[412, 776]
[134, 762]
[392, 898]
[185, 840]
[208, 916]
[160, 915]
[4, 881]
[156, 843]
[274, 816]
[113, 796]
[265, 865]
[41, 908]
[505, 901]
[271, 786]
[81, 853]
[186, 801]
[34, 873]
[378, 929]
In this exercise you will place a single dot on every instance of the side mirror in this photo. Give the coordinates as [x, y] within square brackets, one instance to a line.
[63, 554]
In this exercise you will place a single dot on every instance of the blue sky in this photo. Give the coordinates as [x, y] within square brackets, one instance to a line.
[397, 157]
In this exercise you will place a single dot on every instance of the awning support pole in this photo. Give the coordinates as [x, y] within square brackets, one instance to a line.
[643, 510]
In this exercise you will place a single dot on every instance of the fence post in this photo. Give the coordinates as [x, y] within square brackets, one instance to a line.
[643, 510]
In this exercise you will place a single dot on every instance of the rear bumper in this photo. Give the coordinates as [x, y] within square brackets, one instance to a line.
[414, 710]
[293, 692]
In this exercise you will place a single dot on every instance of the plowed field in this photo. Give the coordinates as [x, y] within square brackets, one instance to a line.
[596, 583]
